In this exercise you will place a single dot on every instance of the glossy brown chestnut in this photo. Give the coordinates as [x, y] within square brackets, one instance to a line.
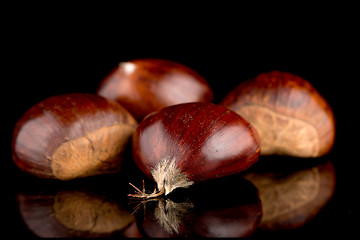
[72, 135]
[193, 142]
[291, 117]
[292, 197]
[146, 85]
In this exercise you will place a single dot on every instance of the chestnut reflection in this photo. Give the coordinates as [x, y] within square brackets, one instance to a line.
[81, 211]
[227, 207]
[291, 197]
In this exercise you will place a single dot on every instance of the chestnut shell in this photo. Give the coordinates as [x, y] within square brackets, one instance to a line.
[72, 135]
[290, 115]
[206, 140]
[146, 85]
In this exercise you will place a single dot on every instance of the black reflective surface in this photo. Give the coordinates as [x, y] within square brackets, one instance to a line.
[43, 61]
[277, 196]
[212, 209]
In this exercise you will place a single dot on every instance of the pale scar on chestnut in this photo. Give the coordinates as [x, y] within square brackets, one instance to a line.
[282, 134]
[84, 156]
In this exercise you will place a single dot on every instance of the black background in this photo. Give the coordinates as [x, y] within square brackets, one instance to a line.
[49, 52]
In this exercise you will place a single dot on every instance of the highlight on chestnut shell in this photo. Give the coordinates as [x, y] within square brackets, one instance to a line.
[146, 85]
[72, 135]
[290, 115]
[192, 142]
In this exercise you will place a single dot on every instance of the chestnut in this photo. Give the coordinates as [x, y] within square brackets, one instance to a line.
[192, 142]
[72, 135]
[146, 85]
[290, 115]
[292, 197]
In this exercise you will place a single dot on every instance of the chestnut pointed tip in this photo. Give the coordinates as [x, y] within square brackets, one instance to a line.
[141, 194]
